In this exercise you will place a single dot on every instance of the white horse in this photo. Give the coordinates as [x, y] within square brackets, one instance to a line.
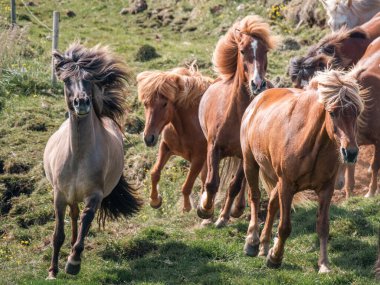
[350, 13]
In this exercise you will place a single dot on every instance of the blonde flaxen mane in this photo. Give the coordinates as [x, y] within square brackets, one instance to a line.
[225, 56]
[337, 89]
[182, 86]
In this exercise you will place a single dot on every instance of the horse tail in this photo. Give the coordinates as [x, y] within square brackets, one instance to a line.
[122, 202]
[228, 168]
[299, 198]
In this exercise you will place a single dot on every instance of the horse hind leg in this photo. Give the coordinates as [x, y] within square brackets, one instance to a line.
[205, 222]
[92, 204]
[195, 168]
[240, 203]
[251, 170]
[59, 234]
[375, 165]
[163, 157]
[74, 215]
[233, 190]
[266, 234]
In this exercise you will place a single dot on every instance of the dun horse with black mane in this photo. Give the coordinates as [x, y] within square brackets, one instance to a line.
[84, 159]
[296, 139]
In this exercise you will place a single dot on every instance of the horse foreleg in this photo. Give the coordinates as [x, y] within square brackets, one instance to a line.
[233, 189]
[74, 260]
[375, 165]
[251, 170]
[74, 215]
[266, 234]
[324, 199]
[195, 168]
[206, 206]
[350, 180]
[59, 234]
[163, 157]
[275, 254]
[239, 203]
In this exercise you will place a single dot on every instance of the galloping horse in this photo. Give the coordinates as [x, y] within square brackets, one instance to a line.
[367, 73]
[240, 58]
[291, 137]
[341, 49]
[171, 101]
[84, 159]
[349, 13]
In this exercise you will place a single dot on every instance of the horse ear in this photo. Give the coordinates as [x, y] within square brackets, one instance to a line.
[58, 58]
[357, 34]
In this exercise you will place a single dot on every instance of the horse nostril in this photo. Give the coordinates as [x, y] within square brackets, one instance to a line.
[87, 101]
[350, 155]
[253, 85]
[76, 102]
[263, 84]
[344, 152]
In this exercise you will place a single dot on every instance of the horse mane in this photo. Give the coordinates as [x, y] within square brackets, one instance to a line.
[336, 88]
[225, 56]
[182, 86]
[101, 67]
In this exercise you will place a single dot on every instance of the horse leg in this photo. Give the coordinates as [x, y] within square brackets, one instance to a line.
[375, 165]
[233, 190]
[59, 233]
[91, 206]
[266, 234]
[206, 206]
[350, 180]
[275, 254]
[74, 215]
[163, 157]
[195, 168]
[251, 170]
[239, 204]
[340, 179]
[324, 199]
[205, 222]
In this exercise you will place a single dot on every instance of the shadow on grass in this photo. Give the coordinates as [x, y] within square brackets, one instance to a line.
[174, 262]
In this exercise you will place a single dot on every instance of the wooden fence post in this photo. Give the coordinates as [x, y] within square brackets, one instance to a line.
[13, 12]
[54, 44]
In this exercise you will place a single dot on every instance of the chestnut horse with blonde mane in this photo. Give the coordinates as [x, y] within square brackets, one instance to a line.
[240, 58]
[341, 49]
[84, 159]
[296, 139]
[171, 101]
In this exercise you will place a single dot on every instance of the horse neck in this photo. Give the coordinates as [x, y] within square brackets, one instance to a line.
[182, 117]
[241, 96]
[82, 134]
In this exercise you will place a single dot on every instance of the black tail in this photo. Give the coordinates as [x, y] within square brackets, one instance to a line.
[123, 202]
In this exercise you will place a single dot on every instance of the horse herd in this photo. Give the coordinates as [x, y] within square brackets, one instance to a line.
[292, 139]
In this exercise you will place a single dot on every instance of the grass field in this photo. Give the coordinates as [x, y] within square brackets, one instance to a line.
[157, 246]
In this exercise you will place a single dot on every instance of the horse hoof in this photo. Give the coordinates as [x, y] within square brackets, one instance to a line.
[51, 276]
[186, 209]
[369, 194]
[206, 223]
[271, 263]
[155, 204]
[204, 214]
[264, 250]
[251, 250]
[221, 223]
[324, 269]
[237, 212]
[72, 269]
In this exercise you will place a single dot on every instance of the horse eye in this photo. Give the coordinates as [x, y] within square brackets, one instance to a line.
[332, 114]
[242, 52]
[165, 104]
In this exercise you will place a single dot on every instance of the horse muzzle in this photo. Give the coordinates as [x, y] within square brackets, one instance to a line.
[350, 155]
[150, 140]
[257, 89]
[82, 106]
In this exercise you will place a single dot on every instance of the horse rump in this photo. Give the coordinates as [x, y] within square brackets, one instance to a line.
[122, 202]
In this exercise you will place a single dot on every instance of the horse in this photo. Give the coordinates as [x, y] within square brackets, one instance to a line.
[341, 49]
[171, 102]
[84, 158]
[349, 13]
[295, 140]
[366, 72]
[240, 59]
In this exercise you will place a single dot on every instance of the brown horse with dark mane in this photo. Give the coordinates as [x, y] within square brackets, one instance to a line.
[240, 58]
[341, 49]
[84, 159]
[171, 101]
[291, 137]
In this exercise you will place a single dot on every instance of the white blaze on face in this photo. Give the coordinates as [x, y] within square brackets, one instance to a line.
[256, 76]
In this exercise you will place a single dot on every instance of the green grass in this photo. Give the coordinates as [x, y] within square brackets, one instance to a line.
[157, 246]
